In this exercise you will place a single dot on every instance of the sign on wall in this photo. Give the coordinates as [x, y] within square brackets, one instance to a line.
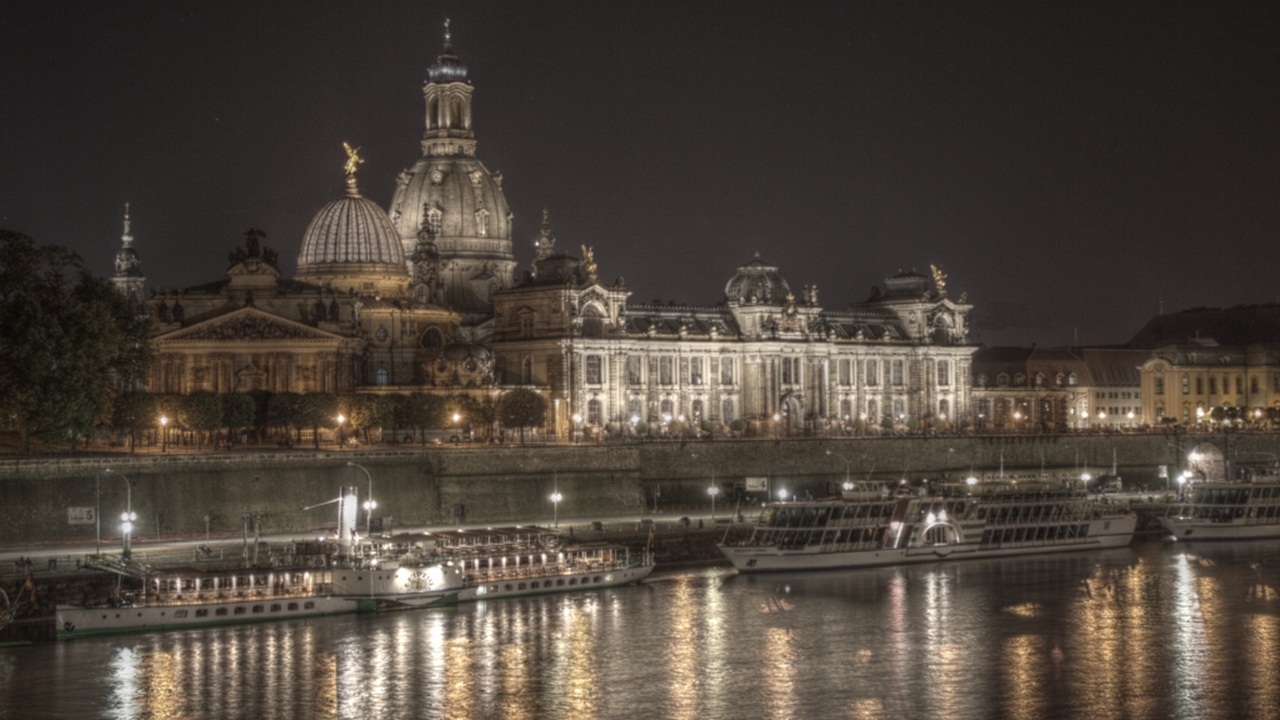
[757, 484]
[80, 515]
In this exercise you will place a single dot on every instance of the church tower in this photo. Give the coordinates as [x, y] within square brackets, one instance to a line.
[128, 279]
[448, 209]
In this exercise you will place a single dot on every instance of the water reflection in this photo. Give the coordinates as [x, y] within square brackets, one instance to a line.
[1158, 631]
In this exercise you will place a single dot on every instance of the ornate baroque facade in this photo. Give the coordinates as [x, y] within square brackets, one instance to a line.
[780, 363]
[425, 298]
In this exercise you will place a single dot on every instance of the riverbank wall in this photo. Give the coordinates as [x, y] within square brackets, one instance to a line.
[53, 500]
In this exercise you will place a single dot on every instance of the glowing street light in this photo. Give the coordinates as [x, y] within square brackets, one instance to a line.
[341, 419]
[848, 484]
[577, 426]
[555, 499]
[713, 491]
[369, 505]
[164, 434]
[782, 494]
[128, 517]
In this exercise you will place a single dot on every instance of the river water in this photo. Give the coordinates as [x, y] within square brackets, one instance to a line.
[1159, 630]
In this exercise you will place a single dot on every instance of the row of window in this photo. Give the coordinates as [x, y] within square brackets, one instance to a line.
[238, 610]
[1254, 385]
[694, 371]
[1020, 380]
[534, 585]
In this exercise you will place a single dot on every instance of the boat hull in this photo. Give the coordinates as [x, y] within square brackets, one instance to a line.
[75, 621]
[562, 582]
[756, 559]
[1188, 529]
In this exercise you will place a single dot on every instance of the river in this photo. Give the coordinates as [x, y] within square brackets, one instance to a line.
[1158, 630]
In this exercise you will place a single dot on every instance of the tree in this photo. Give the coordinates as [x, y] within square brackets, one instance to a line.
[239, 410]
[284, 410]
[317, 410]
[133, 413]
[522, 408]
[477, 412]
[420, 411]
[366, 412]
[200, 412]
[68, 342]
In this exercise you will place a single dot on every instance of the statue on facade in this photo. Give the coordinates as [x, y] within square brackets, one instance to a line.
[589, 263]
[939, 280]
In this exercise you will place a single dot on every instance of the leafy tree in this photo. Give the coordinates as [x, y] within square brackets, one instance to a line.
[284, 410]
[68, 342]
[317, 410]
[367, 412]
[476, 412]
[134, 413]
[200, 412]
[420, 411]
[522, 408]
[239, 411]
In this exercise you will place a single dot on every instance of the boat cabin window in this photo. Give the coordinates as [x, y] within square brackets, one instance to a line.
[179, 614]
[293, 607]
[202, 613]
[257, 609]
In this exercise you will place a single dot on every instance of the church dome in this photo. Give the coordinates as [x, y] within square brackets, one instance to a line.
[352, 244]
[757, 282]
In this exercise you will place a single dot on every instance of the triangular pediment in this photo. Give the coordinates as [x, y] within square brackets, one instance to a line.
[249, 324]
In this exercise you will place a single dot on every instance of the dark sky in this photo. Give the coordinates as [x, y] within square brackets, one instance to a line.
[1069, 165]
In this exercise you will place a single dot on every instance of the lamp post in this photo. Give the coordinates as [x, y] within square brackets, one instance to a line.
[782, 494]
[127, 517]
[164, 433]
[555, 498]
[457, 426]
[848, 484]
[713, 491]
[577, 427]
[369, 504]
[341, 419]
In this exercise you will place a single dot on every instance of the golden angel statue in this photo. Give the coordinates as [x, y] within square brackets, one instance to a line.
[939, 279]
[353, 159]
[588, 261]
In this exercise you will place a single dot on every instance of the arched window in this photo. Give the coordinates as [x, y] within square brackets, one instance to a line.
[592, 323]
[667, 409]
[432, 338]
[1071, 379]
[726, 411]
[1002, 380]
[434, 221]
[697, 409]
[595, 413]
[482, 222]
[381, 377]
[944, 409]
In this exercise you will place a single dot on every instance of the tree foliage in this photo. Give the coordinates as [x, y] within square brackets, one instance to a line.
[522, 408]
[133, 413]
[317, 410]
[420, 411]
[68, 342]
[239, 412]
[200, 412]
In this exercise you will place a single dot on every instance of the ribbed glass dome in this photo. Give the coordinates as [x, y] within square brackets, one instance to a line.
[757, 282]
[351, 230]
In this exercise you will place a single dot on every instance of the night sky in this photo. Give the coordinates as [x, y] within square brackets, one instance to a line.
[1073, 167]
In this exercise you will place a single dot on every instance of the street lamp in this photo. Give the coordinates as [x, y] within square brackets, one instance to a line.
[164, 433]
[127, 517]
[577, 423]
[369, 505]
[555, 498]
[848, 485]
[341, 419]
[713, 491]
[782, 494]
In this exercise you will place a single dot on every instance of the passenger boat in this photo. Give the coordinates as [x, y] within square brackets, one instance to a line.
[1226, 511]
[867, 526]
[463, 565]
[174, 600]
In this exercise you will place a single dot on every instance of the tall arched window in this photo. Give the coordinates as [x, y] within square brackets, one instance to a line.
[595, 414]
[726, 411]
[381, 377]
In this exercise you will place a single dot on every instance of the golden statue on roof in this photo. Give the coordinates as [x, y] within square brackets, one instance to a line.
[939, 279]
[353, 159]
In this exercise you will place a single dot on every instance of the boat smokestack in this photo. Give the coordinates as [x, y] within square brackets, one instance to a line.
[346, 521]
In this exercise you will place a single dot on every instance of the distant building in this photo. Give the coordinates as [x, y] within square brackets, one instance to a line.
[1210, 365]
[1056, 389]
[425, 299]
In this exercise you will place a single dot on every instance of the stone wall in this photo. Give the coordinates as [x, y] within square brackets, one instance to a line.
[509, 484]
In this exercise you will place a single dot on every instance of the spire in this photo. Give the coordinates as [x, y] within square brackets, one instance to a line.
[545, 245]
[448, 38]
[127, 237]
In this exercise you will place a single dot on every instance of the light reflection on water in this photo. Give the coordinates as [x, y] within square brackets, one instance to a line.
[1157, 631]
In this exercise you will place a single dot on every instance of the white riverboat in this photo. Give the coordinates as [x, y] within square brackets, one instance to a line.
[1226, 511]
[478, 564]
[176, 600]
[868, 526]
